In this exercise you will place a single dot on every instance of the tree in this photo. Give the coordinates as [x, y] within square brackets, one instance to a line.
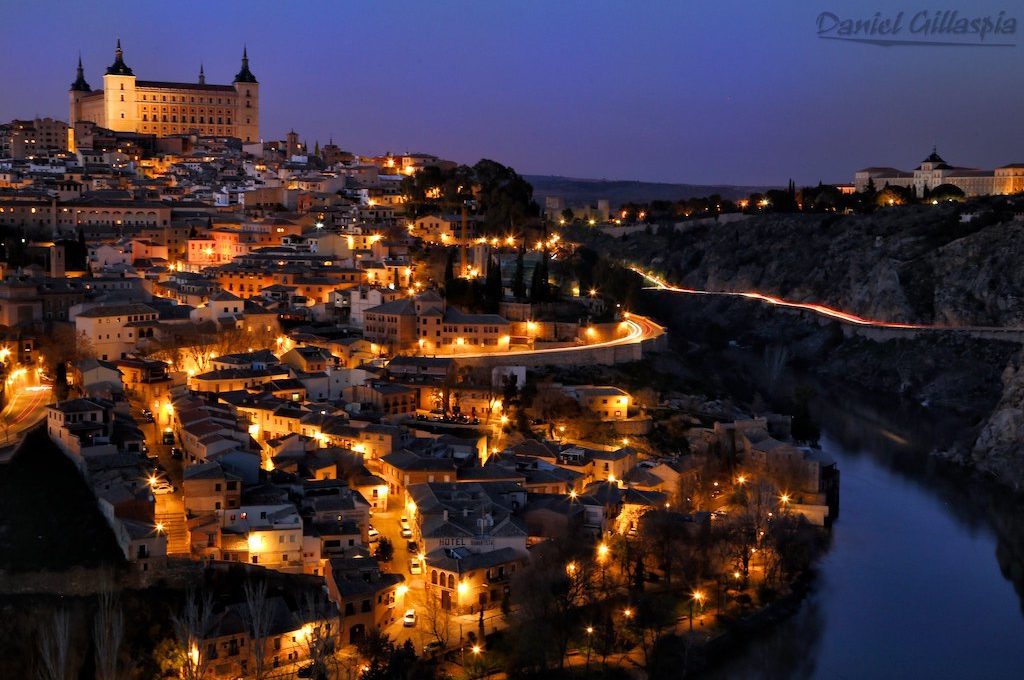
[493, 286]
[60, 381]
[376, 649]
[54, 645]
[438, 619]
[107, 635]
[317, 638]
[449, 269]
[654, 614]
[518, 279]
[385, 550]
[190, 625]
[550, 592]
[258, 618]
[568, 216]
[539, 282]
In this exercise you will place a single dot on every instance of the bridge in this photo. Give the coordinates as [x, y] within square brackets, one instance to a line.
[852, 324]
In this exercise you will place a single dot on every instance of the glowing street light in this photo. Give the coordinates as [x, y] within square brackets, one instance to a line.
[697, 597]
[628, 613]
[602, 551]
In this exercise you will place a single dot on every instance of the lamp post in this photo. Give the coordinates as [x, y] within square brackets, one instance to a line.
[476, 660]
[590, 644]
[699, 598]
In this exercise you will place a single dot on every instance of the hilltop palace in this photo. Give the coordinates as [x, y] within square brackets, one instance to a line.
[127, 104]
[933, 171]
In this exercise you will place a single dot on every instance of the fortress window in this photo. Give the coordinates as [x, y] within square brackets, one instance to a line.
[122, 86]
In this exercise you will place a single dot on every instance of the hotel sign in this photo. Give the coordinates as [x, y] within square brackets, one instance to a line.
[463, 543]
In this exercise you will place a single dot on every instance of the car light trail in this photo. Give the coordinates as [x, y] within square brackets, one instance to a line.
[822, 310]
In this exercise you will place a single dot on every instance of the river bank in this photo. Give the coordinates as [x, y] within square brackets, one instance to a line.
[920, 540]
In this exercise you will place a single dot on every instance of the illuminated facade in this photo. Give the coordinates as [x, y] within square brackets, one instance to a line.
[127, 104]
[934, 172]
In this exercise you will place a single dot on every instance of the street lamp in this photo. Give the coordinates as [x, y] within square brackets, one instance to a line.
[602, 551]
[698, 597]
[590, 644]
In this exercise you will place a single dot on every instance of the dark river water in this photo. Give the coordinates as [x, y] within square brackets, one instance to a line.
[924, 574]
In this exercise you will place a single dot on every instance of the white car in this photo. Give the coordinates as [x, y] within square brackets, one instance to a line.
[409, 620]
[373, 535]
[161, 487]
[406, 532]
[414, 567]
[404, 521]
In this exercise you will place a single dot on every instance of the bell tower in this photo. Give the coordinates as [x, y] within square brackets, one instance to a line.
[79, 89]
[119, 95]
[247, 115]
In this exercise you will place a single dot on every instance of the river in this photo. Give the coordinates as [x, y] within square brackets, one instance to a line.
[923, 576]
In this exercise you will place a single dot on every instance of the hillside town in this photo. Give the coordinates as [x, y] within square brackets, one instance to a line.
[292, 361]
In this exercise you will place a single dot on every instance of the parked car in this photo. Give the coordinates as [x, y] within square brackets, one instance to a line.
[414, 567]
[413, 547]
[373, 534]
[306, 671]
[161, 487]
[175, 453]
[432, 648]
[404, 521]
[409, 620]
[406, 532]
[168, 438]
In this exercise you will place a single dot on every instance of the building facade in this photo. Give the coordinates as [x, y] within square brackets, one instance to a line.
[128, 104]
[933, 172]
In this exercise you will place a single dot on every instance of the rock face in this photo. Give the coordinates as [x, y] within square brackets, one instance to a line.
[916, 264]
[999, 448]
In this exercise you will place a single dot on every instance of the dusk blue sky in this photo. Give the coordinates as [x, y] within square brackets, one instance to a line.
[700, 92]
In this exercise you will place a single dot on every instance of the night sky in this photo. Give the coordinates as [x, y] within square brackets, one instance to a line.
[700, 92]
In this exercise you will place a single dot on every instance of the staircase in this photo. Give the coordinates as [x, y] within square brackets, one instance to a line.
[170, 511]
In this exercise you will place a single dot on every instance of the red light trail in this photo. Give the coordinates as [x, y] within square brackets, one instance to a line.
[821, 310]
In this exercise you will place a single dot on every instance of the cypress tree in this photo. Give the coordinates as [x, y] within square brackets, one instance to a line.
[519, 279]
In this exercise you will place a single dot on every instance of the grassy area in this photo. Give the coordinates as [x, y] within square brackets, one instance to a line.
[49, 519]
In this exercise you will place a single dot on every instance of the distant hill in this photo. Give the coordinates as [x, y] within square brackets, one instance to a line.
[578, 191]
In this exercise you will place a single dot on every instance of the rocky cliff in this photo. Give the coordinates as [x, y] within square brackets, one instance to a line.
[919, 264]
[915, 264]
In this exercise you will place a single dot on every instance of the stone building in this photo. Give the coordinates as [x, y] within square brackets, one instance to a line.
[128, 104]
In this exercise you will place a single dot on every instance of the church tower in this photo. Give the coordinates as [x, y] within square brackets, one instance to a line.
[79, 89]
[119, 95]
[247, 116]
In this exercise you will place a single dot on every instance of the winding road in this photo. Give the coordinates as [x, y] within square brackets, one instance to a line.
[894, 328]
[638, 329]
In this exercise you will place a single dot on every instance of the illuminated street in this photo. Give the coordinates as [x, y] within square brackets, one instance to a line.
[26, 406]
